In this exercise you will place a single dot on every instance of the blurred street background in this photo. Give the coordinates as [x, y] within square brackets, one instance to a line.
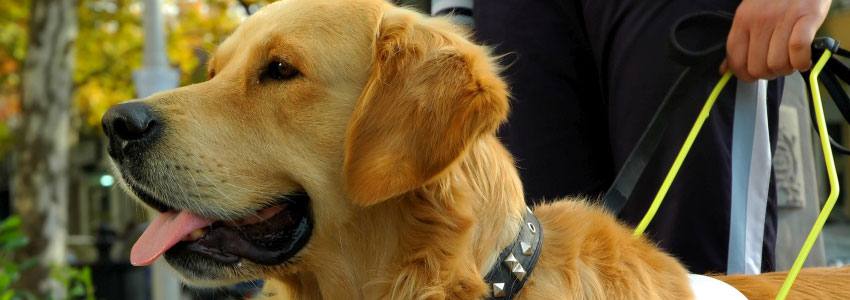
[67, 228]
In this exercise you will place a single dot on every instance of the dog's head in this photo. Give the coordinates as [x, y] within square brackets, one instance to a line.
[313, 109]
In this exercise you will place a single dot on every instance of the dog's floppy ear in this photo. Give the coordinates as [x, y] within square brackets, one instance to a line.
[430, 95]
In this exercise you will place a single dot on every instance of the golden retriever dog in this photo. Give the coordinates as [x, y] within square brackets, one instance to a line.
[347, 150]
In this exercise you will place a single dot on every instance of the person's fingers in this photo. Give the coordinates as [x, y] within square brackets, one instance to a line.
[736, 50]
[757, 51]
[778, 60]
[724, 66]
[800, 42]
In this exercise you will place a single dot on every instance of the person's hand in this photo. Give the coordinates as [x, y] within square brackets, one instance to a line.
[772, 38]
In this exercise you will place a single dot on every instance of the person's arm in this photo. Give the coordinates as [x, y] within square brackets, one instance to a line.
[772, 38]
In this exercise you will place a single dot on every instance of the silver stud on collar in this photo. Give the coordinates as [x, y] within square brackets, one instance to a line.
[511, 262]
[525, 245]
[519, 272]
[498, 290]
[526, 248]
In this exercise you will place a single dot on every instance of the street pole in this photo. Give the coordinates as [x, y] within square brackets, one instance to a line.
[154, 76]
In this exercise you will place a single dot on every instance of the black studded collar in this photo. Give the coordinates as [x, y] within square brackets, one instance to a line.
[517, 260]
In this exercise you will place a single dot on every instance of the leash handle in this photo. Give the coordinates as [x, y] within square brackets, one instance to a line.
[830, 171]
[828, 46]
[697, 42]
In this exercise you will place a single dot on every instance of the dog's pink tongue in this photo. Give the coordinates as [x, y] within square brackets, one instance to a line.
[166, 230]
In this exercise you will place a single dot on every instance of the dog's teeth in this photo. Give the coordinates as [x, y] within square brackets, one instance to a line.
[197, 234]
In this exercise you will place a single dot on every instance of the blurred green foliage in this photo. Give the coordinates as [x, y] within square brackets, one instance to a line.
[13, 32]
[109, 48]
[76, 282]
[12, 239]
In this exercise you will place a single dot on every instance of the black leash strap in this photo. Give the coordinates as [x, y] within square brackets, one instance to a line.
[831, 77]
[701, 52]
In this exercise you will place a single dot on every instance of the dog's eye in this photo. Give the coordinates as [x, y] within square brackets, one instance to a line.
[278, 70]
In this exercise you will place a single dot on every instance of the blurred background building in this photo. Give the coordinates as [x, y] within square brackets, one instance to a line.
[91, 224]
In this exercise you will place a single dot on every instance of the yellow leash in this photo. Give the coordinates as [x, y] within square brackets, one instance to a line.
[683, 152]
[825, 147]
[830, 171]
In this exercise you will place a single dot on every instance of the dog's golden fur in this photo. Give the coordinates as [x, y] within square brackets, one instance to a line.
[814, 283]
[390, 128]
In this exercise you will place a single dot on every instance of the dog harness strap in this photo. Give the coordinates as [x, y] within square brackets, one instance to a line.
[516, 261]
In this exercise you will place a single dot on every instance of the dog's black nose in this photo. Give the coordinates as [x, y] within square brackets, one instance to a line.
[130, 126]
